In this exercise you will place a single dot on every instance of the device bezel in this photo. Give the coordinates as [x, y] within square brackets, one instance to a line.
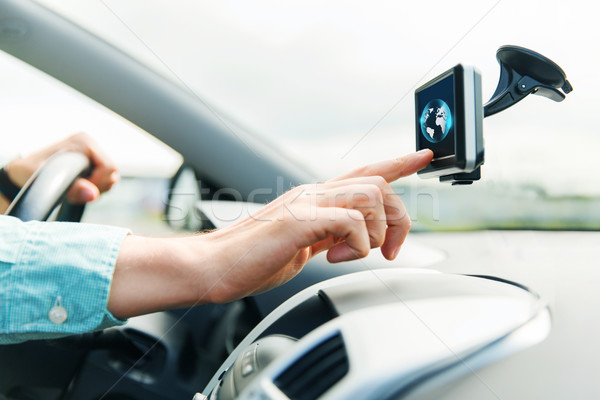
[468, 123]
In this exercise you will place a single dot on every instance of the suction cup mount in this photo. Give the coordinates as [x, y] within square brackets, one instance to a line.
[524, 72]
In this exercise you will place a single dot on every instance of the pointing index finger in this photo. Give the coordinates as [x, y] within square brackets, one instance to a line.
[393, 169]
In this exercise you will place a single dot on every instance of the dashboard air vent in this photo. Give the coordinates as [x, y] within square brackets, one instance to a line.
[316, 371]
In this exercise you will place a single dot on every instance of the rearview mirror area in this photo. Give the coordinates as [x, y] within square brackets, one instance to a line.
[185, 191]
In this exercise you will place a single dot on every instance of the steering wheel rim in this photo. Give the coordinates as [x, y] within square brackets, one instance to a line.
[47, 188]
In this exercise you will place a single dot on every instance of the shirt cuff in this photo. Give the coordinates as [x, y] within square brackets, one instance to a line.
[60, 280]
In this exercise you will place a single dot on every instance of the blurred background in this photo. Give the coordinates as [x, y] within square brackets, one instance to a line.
[331, 83]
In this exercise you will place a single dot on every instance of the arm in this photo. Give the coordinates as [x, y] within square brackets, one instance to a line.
[97, 273]
[346, 217]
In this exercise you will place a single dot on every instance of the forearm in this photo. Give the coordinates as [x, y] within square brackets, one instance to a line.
[153, 274]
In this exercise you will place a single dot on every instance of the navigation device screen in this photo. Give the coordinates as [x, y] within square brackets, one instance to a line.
[435, 117]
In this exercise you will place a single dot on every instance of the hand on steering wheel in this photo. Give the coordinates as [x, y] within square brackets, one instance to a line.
[50, 175]
[48, 186]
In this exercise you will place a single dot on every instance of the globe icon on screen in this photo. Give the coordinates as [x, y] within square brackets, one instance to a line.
[436, 120]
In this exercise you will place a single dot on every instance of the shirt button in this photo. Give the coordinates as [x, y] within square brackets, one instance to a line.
[58, 314]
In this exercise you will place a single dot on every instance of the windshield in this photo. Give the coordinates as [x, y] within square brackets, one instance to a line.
[332, 83]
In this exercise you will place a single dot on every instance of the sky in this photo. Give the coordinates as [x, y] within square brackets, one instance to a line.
[331, 82]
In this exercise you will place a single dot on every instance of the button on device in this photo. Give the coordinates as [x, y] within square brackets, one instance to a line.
[58, 314]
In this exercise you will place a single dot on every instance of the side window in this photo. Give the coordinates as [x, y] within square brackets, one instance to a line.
[38, 110]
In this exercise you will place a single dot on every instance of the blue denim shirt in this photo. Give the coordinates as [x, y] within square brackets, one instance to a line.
[55, 278]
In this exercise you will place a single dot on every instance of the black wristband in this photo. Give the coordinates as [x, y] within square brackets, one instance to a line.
[7, 187]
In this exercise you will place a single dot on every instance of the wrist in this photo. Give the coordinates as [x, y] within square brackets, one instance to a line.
[202, 267]
[19, 171]
[8, 188]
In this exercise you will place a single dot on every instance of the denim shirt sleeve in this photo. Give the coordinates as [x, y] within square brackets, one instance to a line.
[49, 264]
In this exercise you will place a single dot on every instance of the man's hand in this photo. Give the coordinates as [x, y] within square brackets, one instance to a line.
[346, 217]
[104, 172]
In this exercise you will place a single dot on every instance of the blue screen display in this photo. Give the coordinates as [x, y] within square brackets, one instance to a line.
[436, 117]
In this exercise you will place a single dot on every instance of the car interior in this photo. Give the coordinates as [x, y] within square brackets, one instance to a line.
[488, 314]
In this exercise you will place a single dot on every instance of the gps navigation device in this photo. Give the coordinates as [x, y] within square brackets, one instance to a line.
[449, 121]
[449, 111]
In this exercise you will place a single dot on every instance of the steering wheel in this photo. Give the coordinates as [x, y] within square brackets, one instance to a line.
[47, 188]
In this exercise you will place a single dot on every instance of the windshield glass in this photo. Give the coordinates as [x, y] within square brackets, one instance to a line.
[332, 83]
